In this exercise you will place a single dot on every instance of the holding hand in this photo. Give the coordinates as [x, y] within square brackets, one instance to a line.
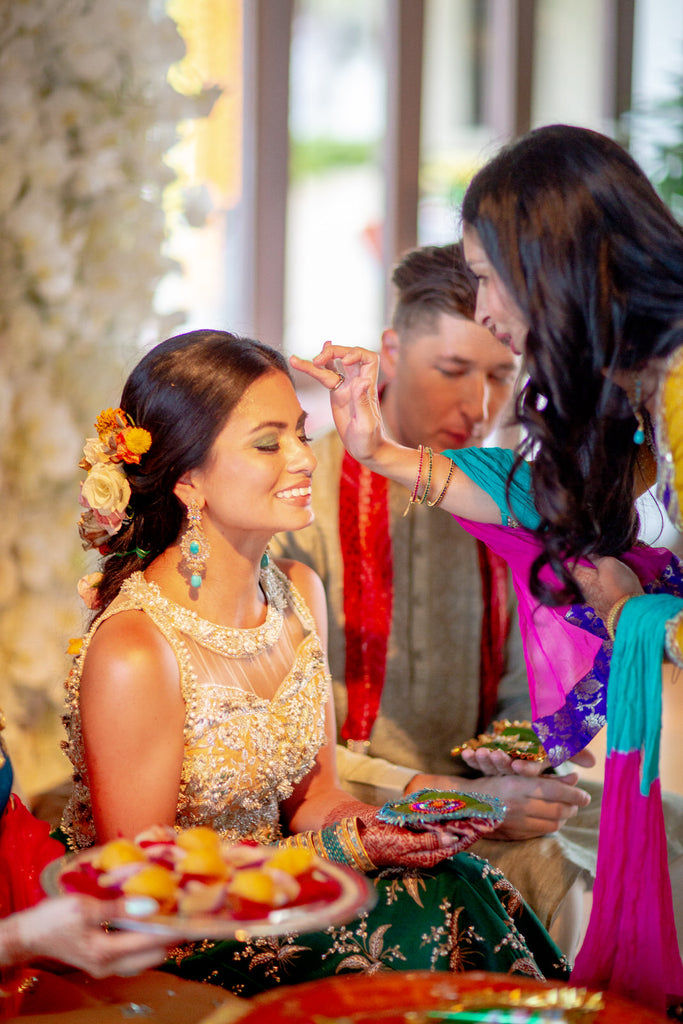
[395, 846]
[536, 804]
[70, 929]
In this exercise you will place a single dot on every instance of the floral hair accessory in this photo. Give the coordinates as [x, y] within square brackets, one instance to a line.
[87, 589]
[105, 493]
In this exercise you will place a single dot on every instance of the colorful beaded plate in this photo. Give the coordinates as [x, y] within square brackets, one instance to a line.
[433, 806]
[517, 739]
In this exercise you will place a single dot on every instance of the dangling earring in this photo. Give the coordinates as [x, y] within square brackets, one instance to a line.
[639, 434]
[194, 545]
[265, 559]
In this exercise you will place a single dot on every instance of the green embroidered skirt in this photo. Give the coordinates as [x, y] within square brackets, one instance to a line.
[462, 915]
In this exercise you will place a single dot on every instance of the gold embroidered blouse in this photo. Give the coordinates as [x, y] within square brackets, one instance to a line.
[255, 711]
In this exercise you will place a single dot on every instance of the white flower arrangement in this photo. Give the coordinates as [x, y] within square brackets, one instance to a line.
[86, 117]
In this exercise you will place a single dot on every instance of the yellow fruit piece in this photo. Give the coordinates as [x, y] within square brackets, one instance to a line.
[198, 838]
[117, 852]
[153, 880]
[253, 884]
[292, 860]
[203, 862]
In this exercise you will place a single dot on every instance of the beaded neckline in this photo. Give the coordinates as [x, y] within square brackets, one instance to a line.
[226, 640]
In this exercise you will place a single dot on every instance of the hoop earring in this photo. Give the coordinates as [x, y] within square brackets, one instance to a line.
[194, 545]
[639, 433]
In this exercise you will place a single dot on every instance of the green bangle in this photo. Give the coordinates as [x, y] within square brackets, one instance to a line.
[333, 848]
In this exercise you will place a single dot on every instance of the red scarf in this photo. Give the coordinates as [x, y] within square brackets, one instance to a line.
[368, 599]
[368, 591]
[495, 626]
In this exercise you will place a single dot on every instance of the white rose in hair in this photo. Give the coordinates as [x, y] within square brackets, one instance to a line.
[107, 492]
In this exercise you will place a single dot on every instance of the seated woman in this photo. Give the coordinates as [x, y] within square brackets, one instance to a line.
[202, 694]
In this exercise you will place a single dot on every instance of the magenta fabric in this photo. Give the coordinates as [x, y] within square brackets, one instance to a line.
[558, 653]
[632, 875]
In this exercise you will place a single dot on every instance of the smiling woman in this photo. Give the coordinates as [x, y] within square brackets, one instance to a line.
[202, 696]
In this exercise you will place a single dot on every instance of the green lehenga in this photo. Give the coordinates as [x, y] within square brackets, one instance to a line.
[451, 918]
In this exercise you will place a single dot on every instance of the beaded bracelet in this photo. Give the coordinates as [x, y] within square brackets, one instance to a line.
[439, 498]
[672, 643]
[613, 614]
[430, 463]
[413, 497]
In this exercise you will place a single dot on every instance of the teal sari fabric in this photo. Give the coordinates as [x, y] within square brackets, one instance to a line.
[6, 778]
[490, 469]
[463, 915]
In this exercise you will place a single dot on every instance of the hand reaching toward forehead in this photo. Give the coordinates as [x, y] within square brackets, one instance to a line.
[350, 375]
[353, 395]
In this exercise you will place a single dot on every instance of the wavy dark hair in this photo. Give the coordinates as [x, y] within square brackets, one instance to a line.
[594, 259]
[183, 392]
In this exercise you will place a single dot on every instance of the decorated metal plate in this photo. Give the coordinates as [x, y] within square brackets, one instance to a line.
[437, 806]
[517, 739]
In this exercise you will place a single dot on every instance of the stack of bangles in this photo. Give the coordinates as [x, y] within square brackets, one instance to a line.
[340, 843]
[415, 499]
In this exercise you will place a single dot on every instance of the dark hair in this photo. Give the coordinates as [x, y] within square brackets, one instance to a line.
[183, 392]
[594, 260]
[429, 281]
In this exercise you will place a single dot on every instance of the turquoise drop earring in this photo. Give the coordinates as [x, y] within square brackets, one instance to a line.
[194, 545]
[265, 559]
[639, 434]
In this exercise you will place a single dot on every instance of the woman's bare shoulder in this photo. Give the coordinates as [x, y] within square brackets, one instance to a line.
[129, 645]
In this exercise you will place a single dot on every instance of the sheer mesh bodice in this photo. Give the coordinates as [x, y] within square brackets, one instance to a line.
[255, 711]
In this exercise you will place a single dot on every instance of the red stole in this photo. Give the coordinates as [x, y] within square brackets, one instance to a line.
[368, 600]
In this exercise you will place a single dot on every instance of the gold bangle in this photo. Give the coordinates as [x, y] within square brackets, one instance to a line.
[430, 463]
[349, 837]
[439, 498]
[413, 496]
[300, 840]
[613, 615]
[318, 845]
